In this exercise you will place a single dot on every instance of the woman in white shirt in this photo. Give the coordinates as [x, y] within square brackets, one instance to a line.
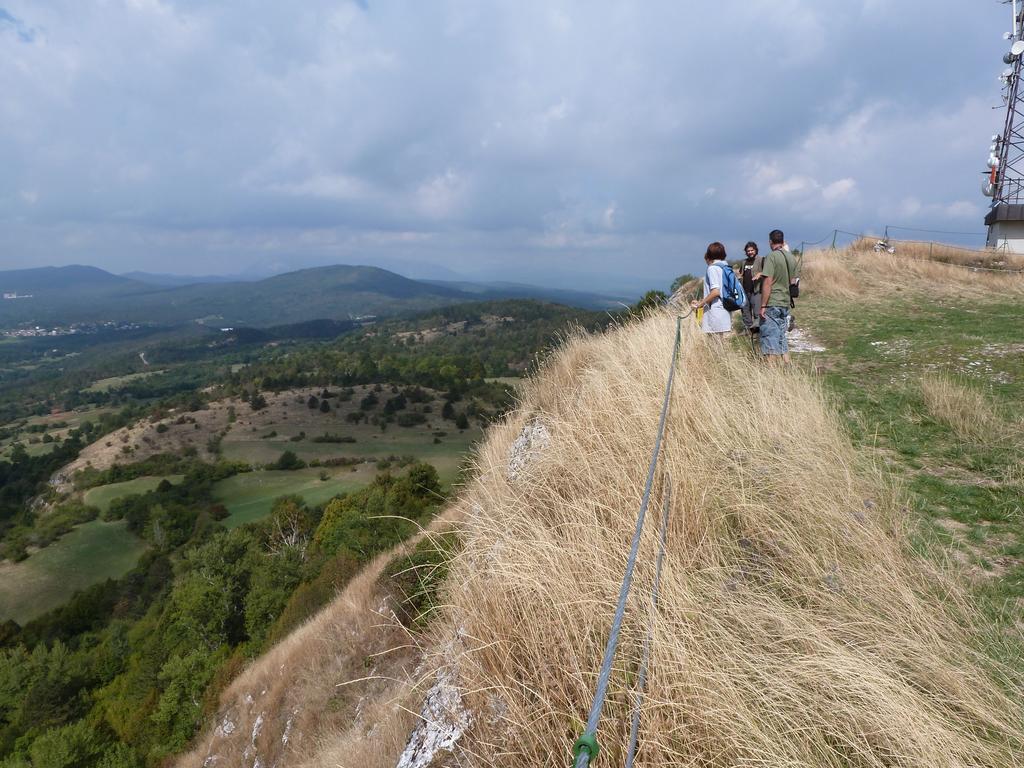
[717, 319]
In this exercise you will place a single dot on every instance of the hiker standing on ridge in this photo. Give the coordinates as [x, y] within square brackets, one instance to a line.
[717, 319]
[750, 271]
[779, 270]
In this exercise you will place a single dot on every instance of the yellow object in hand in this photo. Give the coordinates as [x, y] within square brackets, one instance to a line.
[700, 315]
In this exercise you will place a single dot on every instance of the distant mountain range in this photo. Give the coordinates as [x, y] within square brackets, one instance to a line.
[82, 294]
[175, 281]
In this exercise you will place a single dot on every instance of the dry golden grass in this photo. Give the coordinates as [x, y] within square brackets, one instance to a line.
[348, 670]
[982, 258]
[861, 272]
[965, 410]
[795, 628]
[826, 273]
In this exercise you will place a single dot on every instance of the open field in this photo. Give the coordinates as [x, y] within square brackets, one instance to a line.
[261, 437]
[73, 418]
[37, 448]
[445, 456]
[116, 382]
[249, 496]
[103, 495]
[88, 555]
[57, 424]
[138, 441]
[931, 386]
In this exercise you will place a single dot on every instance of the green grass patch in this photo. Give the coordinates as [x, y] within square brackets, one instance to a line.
[117, 382]
[101, 496]
[249, 496]
[87, 555]
[32, 449]
[259, 438]
[966, 495]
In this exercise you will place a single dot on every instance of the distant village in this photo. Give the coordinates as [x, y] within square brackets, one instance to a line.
[67, 330]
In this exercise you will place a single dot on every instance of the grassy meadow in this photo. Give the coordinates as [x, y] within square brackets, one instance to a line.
[96, 550]
[57, 425]
[931, 385]
[101, 496]
[89, 554]
[287, 424]
[250, 496]
[117, 382]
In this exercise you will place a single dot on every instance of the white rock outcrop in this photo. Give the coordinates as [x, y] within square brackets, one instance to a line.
[443, 720]
[531, 442]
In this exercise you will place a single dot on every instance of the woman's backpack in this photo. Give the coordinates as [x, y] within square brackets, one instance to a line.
[733, 295]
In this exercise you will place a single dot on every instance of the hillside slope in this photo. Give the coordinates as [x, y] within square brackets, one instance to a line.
[63, 295]
[87, 294]
[798, 626]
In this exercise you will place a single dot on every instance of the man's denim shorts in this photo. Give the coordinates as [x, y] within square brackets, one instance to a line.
[773, 331]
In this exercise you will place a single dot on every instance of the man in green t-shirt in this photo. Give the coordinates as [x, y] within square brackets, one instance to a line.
[779, 270]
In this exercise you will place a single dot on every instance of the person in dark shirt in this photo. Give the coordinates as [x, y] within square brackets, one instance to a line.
[751, 277]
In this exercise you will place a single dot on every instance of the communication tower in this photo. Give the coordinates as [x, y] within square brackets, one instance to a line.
[1004, 179]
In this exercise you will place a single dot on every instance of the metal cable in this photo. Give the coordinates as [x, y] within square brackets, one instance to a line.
[641, 680]
[819, 242]
[586, 747]
[857, 234]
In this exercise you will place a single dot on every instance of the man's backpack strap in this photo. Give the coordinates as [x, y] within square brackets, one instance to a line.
[789, 274]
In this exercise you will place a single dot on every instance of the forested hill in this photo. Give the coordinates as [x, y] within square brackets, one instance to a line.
[64, 295]
[65, 282]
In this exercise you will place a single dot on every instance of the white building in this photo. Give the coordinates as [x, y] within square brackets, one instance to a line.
[1006, 227]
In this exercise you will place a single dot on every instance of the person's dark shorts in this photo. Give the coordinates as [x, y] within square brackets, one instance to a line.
[773, 331]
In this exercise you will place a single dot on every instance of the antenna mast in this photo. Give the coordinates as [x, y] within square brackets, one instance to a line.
[1004, 179]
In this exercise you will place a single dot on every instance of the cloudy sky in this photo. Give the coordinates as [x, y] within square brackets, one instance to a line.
[599, 144]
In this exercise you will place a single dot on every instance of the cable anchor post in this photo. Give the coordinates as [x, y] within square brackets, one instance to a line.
[585, 750]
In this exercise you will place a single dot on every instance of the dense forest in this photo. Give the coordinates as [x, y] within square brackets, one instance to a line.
[127, 671]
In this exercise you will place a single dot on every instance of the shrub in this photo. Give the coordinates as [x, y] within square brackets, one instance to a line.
[418, 577]
[411, 419]
[329, 438]
[288, 461]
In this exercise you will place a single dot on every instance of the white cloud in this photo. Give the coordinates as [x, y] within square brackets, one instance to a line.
[610, 215]
[442, 196]
[964, 209]
[840, 190]
[909, 208]
[791, 187]
[335, 186]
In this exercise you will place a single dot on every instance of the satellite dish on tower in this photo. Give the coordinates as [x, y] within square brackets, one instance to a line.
[1017, 48]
